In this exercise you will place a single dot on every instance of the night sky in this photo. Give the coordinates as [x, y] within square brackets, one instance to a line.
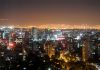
[41, 12]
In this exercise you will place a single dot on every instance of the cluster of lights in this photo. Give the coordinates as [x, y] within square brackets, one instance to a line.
[11, 45]
[3, 27]
[65, 26]
[58, 26]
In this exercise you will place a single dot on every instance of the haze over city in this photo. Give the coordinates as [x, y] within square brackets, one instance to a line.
[41, 13]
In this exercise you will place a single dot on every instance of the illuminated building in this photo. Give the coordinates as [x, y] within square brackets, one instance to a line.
[34, 33]
[85, 50]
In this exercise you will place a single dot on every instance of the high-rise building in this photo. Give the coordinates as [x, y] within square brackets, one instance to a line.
[85, 50]
[34, 34]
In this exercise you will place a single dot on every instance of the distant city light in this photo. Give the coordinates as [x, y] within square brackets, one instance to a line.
[11, 27]
[78, 38]
[58, 26]
[3, 27]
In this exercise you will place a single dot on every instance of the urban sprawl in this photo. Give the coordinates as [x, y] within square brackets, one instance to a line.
[49, 49]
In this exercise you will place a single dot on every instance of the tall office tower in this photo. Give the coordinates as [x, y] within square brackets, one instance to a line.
[34, 34]
[85, 49]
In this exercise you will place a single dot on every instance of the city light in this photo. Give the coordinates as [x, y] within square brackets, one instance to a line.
[78, 38]
[11, 27]
[49, 68]
[11, 45]
[53, 48]
[57, 26]
[50, 35]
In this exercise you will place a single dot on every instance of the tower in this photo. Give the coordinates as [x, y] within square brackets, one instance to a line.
[34, 33]
[85, 49]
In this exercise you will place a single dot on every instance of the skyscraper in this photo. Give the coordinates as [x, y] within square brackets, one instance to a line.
[85, 49]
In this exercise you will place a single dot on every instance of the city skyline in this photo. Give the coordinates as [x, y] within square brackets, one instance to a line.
[49, 35]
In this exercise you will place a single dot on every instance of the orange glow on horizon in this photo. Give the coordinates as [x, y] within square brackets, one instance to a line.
[62, 26]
